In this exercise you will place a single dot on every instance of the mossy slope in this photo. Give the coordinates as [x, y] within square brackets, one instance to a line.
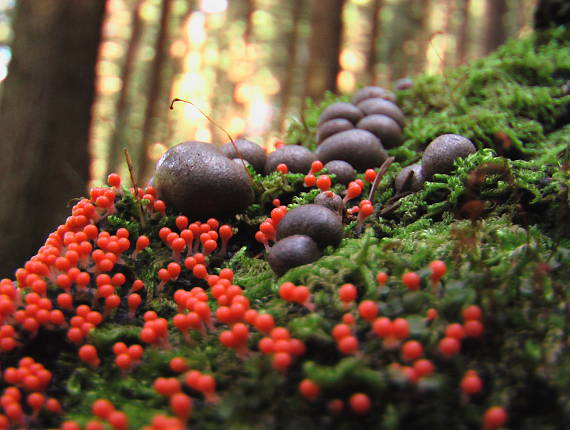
[499, 221]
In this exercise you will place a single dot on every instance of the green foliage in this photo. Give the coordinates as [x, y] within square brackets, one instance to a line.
[508, 101]
[498, 220]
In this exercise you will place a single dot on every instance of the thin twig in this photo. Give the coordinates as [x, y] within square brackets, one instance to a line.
[379, 175]
[136, 188]
[217, 125]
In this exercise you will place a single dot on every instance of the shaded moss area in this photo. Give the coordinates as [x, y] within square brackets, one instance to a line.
[499, 221]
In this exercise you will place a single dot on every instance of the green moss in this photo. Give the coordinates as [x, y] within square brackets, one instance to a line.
[498, 220]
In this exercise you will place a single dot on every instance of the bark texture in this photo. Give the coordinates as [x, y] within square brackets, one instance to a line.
[496, 29]
[155, 91]
[45, 113]
[324, 47]
[118, 141]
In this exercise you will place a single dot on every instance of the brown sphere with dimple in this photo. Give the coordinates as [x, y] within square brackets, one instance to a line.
[292, 251]
[329, 200]
[247, 150]
[333, 126]
[341, 110]
[198, 180]
[373, 92]
[383, 107]
[384, 128]
[316, 221]
[343, 171]
[404, 182]
[403, 84]
[297, 158]
[440, 154]
[360, 148]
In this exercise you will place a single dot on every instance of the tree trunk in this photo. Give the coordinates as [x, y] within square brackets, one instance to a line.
[44, 117]
[155, 95]
[410, 21]
[423, 35]
[292, 53]
[463, 33]
[446, 51]
[495, 34]
[119, 133]
[324, 47]
[249, 9]
[371, 58]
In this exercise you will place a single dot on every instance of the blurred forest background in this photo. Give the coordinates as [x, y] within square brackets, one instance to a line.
[81, 80]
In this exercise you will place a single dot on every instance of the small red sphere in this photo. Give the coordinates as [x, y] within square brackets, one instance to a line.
[494, 417]
[348, 319]
[102, 408]
[401, 328]
[281, 361]
[472, 312]
[118, 420]
[340, 331]
[316, 166]
[287, 291]
[455, 330]
[279, 333]
[348, 345]
[309, 389]
[88, 353]
[123, 361]
[474, 328]
[181, 405]
[119, 348]
[335, 406]
[370, 175]
[368, 310]
[360, 403]
[114, 180]
[324, 182]
[411, 280]
[438, 269]
[301, 294]
[423, 367]
[381, 278]
[264, 323]
[431, 314]
[412, 350]
[382, 327]
[178, 365]
[310, 180]
[471, 384]
[449, 346]
[347, 293]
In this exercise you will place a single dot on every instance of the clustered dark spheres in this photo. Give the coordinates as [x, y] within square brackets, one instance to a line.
[200, 180]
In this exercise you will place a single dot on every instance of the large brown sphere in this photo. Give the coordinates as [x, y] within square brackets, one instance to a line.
[360, 148]
[440, 154]
[247, 150]
[373, 92]
[332, 126]
[410, 178]
[316, 221]
[341, 110]
[297, 158]
[292, 251]
[199, 181]
[343, 171]
[384, 128]
[383, 107]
